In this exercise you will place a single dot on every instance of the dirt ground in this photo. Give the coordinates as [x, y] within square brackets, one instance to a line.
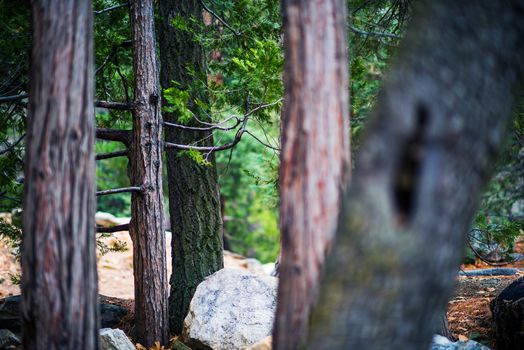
[468, 314]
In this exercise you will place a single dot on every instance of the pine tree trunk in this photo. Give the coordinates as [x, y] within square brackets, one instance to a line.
[145, 169]
[59, 280]
[438, 125]
[194, 204]
[315, 156]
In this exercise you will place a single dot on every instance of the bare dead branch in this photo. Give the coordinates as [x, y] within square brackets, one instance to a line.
[219, 18]
[123, 136]
[375, 34]
[123, 106]
[110, 8]
[211, 127]
[119, 190]
[117, 228]
[262, 142]
[111, 155]
[13, 145]
[101, 104]
[211, 149]
[4, 99]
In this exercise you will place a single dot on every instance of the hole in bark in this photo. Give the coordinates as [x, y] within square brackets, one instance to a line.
[408, 169]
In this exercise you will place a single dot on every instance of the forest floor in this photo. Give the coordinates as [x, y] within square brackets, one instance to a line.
[468, 314]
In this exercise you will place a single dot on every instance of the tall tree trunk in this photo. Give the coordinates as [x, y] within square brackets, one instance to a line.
[145, 169]
[59, 280]
[194, 204]
[439, 123]
[315, 155]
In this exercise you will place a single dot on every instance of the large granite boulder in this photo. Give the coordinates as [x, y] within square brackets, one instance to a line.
[231, 310]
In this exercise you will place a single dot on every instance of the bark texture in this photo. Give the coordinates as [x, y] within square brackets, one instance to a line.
[315, 155]
[59, 279]
[145, 169]
[194, 204]
[439, 123]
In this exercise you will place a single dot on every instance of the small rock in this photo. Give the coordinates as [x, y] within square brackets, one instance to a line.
[114, 339]
[443, 343]
[231, 310]
[8, 340]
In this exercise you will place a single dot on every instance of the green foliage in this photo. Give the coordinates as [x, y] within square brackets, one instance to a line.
[499, 229]
[112, 173]
[196, 156]
[245, 72]
[177, 102]
[248, 186]
[15, 41]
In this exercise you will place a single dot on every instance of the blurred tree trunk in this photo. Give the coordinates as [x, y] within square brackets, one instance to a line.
[315, 155]
[194, 204]
[59, 280]
[439, 122]
[145, 169]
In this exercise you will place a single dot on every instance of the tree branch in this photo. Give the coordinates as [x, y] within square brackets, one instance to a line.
[120, 190]
[376, 34]
[238, 135]
[212, 127]
[117, 228]
[111, 155]
[13, 145]
[4, 99]
[210, 149]
[262, 142]
[219, 18]
[101, 104]
[123, 136]
[124, 106]
[110, 8]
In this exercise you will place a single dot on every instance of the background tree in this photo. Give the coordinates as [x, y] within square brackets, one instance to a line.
[194, 204]
[145, 170]
[59, 281]
[438, 125]
[315, 156]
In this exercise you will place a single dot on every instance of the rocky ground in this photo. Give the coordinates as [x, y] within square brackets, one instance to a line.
[468, 314]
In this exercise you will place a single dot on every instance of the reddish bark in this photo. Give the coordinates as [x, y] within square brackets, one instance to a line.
[315, 155]
[59, 280]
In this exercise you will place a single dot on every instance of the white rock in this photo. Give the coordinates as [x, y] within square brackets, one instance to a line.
[114, 339]
[264, 344]
[269, 268]
[108, 220]
[231, 309]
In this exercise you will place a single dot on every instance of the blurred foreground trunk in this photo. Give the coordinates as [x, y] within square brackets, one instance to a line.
[59, 279]
[438, 125]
